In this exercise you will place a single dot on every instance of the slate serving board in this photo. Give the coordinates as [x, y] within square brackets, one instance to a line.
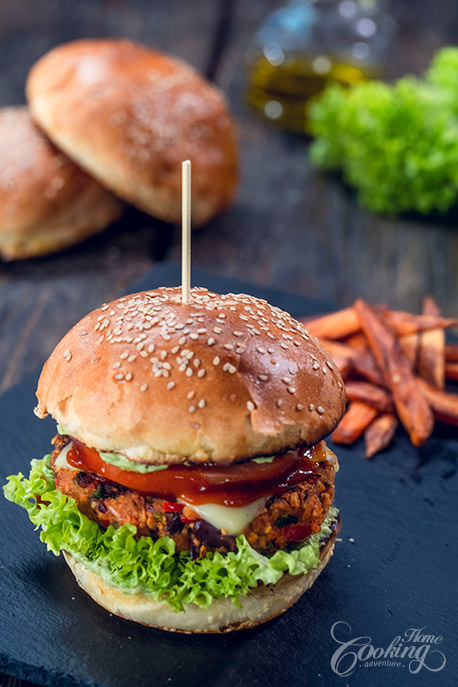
[394, 568]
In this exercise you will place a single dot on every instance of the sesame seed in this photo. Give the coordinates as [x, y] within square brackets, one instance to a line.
[202, 330]
[323, 369]
[311, 406]
[237, 333]
[163, 355]
[227, 367]
[228, 347]
[196, 362]
[291, 389]
[151, 348]
[202, 373]
[279, 402]
[192, 409]
[195, 425]
[216, 360]
[116, 365]
[143, 354]
[250, 405]
[189, 371]
[143, 387]
[131, 358]
[315, 365]
[283, 345]
[128, 376]
[299, 406]
[182, 340]
[260, 349]
[191, 395]
[263, 378]
[67, 355]
[194, 336]
[170, 385]
[217, 330]
[286, 380]
[320, 410]
[210, 341]
[124, 355]
[119, 376]
[175, 349]
[202, 403]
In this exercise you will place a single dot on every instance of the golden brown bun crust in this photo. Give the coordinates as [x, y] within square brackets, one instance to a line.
[130, 116]
[261, 604]
[223, 378]
[46, 201]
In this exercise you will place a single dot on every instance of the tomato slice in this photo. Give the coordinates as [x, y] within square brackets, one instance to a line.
[230, 485]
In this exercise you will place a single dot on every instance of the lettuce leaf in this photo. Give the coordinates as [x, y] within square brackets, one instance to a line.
[396, 144]
[152, 567]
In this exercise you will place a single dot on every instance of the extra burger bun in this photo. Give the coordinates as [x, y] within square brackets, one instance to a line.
[47, 202]
[263, 603]
[224, 378]
[129, 116]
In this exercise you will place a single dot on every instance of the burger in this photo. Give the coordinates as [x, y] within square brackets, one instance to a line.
[189, 487]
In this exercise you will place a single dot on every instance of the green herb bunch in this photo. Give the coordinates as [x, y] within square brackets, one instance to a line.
[396, 144]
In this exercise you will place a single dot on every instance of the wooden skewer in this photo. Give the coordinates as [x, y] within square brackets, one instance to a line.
[185, 231]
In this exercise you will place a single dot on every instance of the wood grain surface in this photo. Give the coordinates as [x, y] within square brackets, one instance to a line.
[290, 227]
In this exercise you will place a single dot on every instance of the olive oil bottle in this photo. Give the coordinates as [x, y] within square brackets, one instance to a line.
[306, 44]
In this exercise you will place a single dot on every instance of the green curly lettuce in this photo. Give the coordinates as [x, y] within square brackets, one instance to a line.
[396, 144]
[152, 567]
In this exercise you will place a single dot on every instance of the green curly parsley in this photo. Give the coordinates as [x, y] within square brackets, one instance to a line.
[396, 144]
[152, 567]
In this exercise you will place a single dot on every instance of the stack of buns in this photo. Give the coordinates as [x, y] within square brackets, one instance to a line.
[109, 121]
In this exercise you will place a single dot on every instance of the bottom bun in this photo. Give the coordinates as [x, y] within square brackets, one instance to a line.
[260, 605]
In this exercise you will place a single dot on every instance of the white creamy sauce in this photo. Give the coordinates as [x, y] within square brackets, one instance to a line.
[61, 460]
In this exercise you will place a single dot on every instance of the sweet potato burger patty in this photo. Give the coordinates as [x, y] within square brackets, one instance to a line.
[286, 519]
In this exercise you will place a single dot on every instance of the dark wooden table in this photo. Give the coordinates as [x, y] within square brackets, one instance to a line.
[289, 227]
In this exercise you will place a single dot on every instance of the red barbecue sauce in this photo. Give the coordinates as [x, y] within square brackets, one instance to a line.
[228, 485]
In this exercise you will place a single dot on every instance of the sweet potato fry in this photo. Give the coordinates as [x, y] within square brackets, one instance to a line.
[357, 341]
[444, 404]
[343, 355]
[366, 367]
[380, 433]
[410, 344]
[451, 354]
[411, 405]
[406, 323]
[336, 325]
[451, 371]
[358, 416]
[431, 354]
[369, 393]
[338, 348]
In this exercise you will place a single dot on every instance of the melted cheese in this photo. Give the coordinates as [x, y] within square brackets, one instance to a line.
[232, 520]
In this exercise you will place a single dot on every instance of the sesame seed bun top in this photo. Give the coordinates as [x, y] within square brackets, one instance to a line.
[223, 378]
[129, 115]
